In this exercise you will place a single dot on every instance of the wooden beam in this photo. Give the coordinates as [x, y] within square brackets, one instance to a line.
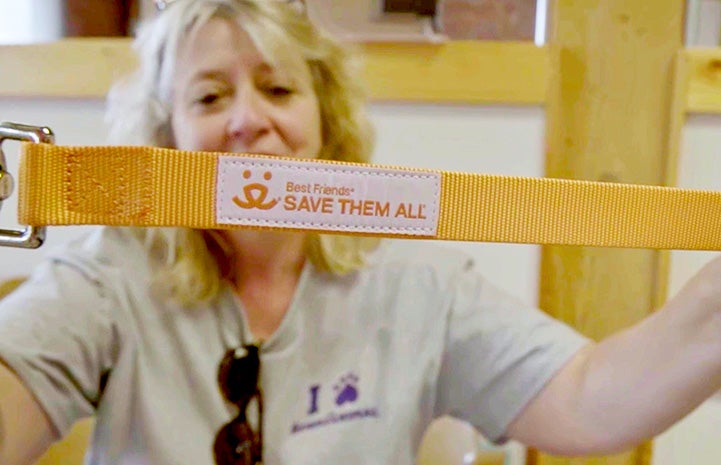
[456, 72]
[703, 92]
[512, 72]
[607, 120]
[70, 68]
[677, 120]
[71, 450]
[473, 72]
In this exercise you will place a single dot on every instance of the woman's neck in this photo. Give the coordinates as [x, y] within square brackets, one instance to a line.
[265, 271]
[266, 256]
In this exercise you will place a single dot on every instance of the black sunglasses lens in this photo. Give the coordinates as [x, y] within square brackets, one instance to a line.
[238, 374]
[236, 444]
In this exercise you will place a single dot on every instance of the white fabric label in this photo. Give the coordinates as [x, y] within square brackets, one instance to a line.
[326, 197]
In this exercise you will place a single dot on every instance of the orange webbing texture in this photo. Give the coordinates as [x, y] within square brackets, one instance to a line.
[116, 186]
[145, 186]
[556, 211]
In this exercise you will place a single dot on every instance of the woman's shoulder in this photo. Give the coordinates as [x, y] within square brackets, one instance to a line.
[101, 242]
[421, 253]
[420, 258]
[103, 250]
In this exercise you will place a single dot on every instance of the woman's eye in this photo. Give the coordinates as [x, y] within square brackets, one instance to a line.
[208, 99]
[279, 91]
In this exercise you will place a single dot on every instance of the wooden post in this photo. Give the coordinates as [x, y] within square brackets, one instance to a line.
[608, 116]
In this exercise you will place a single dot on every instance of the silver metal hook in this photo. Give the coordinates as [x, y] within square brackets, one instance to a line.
[30, 237]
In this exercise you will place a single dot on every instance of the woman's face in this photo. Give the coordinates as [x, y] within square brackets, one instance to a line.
[228, 98]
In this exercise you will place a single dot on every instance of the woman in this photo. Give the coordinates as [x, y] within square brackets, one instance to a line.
[241, 345]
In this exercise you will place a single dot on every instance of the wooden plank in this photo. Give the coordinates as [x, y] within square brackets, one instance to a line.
[71, 450]
[512, 72]
[458, 72]
[704, 80]
[515, 72]
[677, 120]
[463, 72]
[71, 68]
[607, 120]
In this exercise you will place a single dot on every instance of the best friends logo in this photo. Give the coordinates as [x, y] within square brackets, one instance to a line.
[255, 194]
[302, 194]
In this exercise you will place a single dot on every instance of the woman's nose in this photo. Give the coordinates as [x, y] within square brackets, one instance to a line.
[247, 119]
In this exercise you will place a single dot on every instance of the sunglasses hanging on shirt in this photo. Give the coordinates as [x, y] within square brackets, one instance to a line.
[237, 443]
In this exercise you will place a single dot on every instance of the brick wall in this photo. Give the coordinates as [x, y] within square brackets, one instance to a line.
[487, 19]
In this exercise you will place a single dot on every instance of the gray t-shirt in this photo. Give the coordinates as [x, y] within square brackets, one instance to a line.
[359, 367]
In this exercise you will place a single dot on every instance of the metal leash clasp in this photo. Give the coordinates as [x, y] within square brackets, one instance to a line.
[30, 237]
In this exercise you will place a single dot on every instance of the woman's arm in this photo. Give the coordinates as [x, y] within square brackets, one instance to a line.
[25, 431]
[635, 384]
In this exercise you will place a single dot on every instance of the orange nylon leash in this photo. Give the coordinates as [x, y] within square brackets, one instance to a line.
[144, 186]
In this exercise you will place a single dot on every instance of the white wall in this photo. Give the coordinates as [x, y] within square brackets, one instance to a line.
[29, 21]
[703, 23]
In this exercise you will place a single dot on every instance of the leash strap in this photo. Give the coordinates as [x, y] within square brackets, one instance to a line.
[144, 186]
